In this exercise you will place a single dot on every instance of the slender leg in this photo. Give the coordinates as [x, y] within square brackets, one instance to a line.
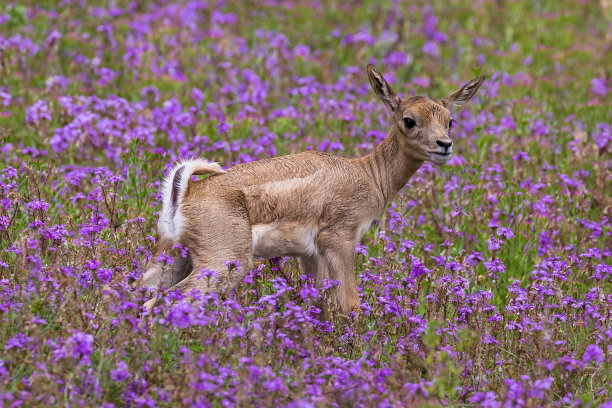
[339, 262]
[156, 271]
[222, 233]
[226, 278]
[335, 262]
[160, 275]
[315, 266]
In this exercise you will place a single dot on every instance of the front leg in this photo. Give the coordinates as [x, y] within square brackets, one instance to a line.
[340, 266]
[316, 267]
[336, 261]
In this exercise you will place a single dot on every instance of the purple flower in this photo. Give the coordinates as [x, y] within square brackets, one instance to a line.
[539, 387]
[3, 372]
[223, 127]
[421, 81]
[81, 346]
[52, 37]
[275, 384]
[205, 382]
[38, 112]
[360, 36]
[4, 222]
[150, 92]
[121, 372]
[104, 275]
[494, 244]
[495, 265]
[106, 75]
[57, 81]
[198, 96]
[181, 316]
[474, 259]
[301, 50]
[488, 339]
[593, 353]
[56, 232]
[505, 232]
[431, 48]
[5, 98]
[521, 156]
[18, 341]
[599, 86]
[218, 17]
[308, 292]
[37, 205]
[487, 400]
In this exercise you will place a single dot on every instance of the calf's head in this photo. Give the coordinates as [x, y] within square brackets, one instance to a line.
[423, 123]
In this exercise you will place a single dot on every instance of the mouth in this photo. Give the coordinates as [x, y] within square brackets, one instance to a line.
[440, 157]
[447, 154]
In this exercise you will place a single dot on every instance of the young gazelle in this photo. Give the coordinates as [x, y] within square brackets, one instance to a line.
[311, 205]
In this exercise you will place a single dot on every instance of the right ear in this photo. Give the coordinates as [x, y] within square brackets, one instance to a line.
[463, 94]
[382, 89]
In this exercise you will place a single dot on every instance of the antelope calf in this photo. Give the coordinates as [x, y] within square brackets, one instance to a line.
[311, 205]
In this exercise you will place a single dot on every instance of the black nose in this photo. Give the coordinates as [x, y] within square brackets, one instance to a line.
[445, 145]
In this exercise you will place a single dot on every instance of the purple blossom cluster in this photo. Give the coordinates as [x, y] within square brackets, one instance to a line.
[487, 282]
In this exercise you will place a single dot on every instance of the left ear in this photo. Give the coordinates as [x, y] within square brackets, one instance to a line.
[463, 94]
[382, 89]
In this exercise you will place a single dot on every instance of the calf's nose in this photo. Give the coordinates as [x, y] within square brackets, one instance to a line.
[445, 145]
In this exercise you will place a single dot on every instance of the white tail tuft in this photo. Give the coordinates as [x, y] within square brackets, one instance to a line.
[170, 220]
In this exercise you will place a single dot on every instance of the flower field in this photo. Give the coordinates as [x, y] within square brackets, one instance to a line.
[488, 281]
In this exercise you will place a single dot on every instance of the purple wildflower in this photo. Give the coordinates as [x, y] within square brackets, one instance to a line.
[599, 86]
[486, 400]
[593, 353]
[38, 112]
[81, 346]
[121, 372]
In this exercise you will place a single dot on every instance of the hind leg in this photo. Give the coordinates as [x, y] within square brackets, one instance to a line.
[212, 274]
[181, 268]
[217, 233]
[160, 274]
[157, 270]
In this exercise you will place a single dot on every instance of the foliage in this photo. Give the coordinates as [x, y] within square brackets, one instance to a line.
[487, 282]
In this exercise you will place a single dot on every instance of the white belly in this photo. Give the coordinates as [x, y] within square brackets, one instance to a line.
[283, 239]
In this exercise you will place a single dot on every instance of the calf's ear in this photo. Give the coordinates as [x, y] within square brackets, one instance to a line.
[463, 94]
[382, 89]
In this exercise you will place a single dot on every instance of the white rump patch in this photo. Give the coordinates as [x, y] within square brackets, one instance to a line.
[171, 220]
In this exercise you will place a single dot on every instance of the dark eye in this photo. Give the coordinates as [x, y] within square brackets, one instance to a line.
[450, 123]
[409, 123]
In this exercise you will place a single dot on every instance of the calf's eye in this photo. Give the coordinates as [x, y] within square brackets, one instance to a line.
[409, 123]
